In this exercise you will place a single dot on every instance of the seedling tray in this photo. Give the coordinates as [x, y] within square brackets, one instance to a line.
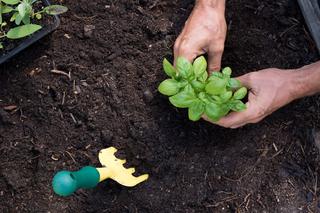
[26, 42]
[311, 12]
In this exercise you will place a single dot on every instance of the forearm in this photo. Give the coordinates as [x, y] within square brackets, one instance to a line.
[306, 80]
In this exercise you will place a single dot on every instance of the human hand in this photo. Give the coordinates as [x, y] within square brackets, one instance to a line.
[204, 32]
[270, 89]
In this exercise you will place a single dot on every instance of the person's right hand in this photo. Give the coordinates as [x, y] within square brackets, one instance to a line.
[269, 90]
[204, 32]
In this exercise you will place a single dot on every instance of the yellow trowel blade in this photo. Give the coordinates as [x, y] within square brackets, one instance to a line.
[115, 170]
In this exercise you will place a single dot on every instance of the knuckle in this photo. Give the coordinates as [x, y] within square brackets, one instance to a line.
[176, 45]
[184, 45]
[218, 48]
[260, 111]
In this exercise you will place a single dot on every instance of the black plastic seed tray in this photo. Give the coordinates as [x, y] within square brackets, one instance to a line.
[311, 12]
[33, 38]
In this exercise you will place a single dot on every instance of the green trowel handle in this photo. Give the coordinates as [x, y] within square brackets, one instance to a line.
[65, 183]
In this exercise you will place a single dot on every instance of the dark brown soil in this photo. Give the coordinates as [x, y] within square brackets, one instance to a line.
[112, 94]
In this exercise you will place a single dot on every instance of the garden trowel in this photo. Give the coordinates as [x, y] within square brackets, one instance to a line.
[66, 182]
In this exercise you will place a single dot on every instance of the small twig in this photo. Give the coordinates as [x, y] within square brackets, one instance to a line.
[245, 200]
[73, 118]
[59, 72]
[63, 98]
[227, 199]
[71, 156]
[276, 154]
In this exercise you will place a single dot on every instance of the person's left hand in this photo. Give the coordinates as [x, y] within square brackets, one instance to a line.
[270, 89]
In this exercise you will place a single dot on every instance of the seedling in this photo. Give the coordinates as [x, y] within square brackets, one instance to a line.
[190, 87]
[16, 17]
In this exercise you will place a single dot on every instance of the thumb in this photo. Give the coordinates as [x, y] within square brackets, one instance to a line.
[245, 80]
[238, 118]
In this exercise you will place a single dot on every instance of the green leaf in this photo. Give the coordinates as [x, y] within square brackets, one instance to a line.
[1, 8]
[227, 71]
[18, 19]
[196, 110]
[184, 67]
[55, 9]
[6, 9]
[226, 96]
[199, 66]
[184, 99]
[26, 20]
[238, 106]
[1, 45]
[169, 87]
[23, 31]
[23, 9]
[240, 93]
[13, 17]
[198, 86]
[216, 86]
[11, 2]
[234, 84]
[215, 74]
[204, 77]
[168, 68]
[213, 111]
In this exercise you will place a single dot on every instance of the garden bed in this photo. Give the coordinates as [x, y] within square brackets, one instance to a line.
[50, 122]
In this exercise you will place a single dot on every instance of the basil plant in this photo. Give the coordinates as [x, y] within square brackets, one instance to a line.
[189, 86]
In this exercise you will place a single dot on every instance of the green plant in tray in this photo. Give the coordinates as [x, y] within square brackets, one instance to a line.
[16, 17]
[189, 86]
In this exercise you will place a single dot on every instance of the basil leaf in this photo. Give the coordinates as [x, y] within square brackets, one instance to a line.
[184, 99]
[215, 74]
[213, 111]
[226, 96]
[240, 93]
[11, 2]
[168, 68]
[169, 87]
[233, 84]
[203, 78]
[238, 106]
[198, 86]
[55, 9]
[216, 86]
[196, 110]
[23, 31]
[227, 71]
[184, 67]
[199, 66]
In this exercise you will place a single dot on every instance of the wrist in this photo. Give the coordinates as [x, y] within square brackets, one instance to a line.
[212, 3]
[305, 80]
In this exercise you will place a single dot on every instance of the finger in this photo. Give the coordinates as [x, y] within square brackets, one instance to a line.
[245, 80]
[176, 50]
[214, 60]
[256, 120]
[235, 119]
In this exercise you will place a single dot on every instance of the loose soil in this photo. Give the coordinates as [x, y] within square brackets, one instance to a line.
[112, 96]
